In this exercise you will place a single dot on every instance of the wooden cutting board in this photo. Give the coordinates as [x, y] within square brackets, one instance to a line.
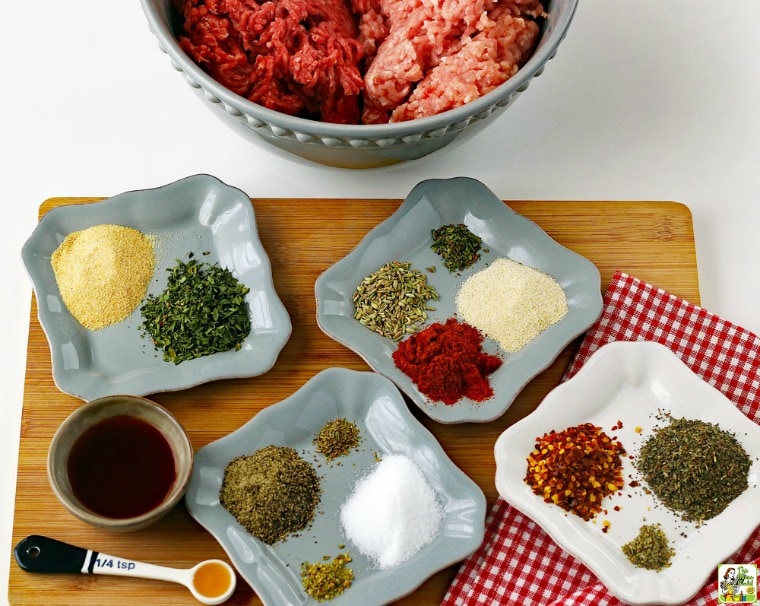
[653, 241]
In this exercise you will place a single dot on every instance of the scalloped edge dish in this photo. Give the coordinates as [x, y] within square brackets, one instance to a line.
[198, 214]
[405, 236]
[634, 384]
[386, 426]
[358, 146]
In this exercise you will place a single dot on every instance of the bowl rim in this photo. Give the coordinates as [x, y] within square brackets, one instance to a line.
[547, 47]
[179, 486]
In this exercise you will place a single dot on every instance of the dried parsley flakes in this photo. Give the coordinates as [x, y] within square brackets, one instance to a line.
[694, 467]
[202, 311]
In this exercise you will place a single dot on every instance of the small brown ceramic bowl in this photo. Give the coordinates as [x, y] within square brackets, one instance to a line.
[120, 462]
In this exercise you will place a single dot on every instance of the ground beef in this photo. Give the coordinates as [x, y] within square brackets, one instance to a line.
[300, 57]
[372, 61]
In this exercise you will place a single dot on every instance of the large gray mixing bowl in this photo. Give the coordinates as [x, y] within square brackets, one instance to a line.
[356, 146]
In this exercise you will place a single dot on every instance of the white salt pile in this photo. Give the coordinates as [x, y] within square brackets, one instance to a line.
[392, 513]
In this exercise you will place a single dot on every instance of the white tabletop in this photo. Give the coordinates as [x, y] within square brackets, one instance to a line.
[645, 100]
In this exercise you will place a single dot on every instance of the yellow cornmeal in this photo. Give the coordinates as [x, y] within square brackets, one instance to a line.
[103, 273]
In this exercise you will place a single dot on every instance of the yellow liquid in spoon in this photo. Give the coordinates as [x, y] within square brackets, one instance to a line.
[212, 579]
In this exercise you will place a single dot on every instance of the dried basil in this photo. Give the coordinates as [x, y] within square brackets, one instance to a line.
[456, 245]
[694, 468]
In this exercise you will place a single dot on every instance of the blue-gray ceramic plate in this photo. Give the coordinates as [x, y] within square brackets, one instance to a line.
[386, 426]
[405, 236]
[198, 214]
[634, 384]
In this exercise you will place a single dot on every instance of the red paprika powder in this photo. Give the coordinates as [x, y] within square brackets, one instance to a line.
[446, 362]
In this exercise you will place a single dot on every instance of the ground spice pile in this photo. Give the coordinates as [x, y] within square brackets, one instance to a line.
[650, 548]
[337, 438]
[576, 468]
[272, 493]
[393, 301]
[695, 468]
[202, 311]
[327, 580]
[511, 303]
[103, 273]
[446, 362]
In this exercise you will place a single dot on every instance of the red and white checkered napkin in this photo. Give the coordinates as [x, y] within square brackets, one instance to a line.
[518, 563]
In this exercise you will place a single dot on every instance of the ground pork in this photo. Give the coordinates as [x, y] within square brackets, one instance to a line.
[347, 61]
[483, 62]
[440, 55]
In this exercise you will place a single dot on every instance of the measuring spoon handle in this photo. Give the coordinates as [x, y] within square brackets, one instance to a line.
[36, 553]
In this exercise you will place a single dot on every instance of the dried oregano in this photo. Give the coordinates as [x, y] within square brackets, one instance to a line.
[327, 580]
[650, 549]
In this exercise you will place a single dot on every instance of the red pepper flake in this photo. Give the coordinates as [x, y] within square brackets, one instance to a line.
[446, 363]
[576, 468]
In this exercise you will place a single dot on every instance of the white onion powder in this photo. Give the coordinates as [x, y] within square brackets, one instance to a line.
[511, 303]
[392, 513]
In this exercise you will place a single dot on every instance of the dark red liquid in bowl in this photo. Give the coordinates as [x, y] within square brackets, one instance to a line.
[121, 467]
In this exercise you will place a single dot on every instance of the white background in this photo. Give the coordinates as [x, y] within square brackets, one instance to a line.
[645, 100]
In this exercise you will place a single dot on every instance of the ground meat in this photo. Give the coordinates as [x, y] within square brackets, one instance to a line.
[483, 62]
[373, 28]
[300, 57]
[372, 61]
[436, 58]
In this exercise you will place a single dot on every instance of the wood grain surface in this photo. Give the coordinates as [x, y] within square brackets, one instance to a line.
[651, 240]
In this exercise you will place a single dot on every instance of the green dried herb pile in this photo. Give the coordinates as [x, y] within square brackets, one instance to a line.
[456, 245]
[337, 438]
[694, 468]
[327, 580]
[393, 301]
[650, 548]
[202, 311]
[272, 493]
